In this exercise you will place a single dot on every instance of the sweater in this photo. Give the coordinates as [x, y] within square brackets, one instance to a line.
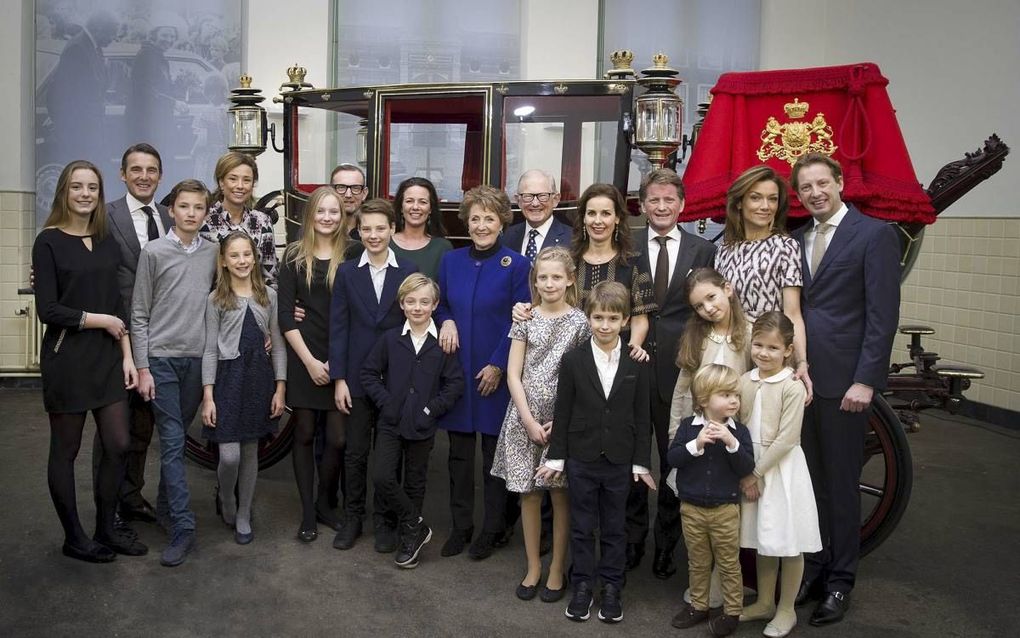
[170, 290]
[711, 478]
[223, 334]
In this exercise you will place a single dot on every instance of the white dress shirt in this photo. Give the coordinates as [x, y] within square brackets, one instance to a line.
[692, 445]
[543, 232]
[419, 340]
[141, 220]
[809, 236]
[188, 248]
[672, 249]
[378, 273]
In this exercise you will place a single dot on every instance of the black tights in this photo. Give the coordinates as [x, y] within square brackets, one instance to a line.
[65, 441]
[304, 459]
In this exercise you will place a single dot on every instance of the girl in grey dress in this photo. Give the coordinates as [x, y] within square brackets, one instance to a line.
[532, 372]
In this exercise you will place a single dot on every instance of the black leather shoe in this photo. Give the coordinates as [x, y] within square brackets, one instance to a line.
[92, 553]
[244, 539]
[552, 595]
[807, 593]
[122, 544]
[349, 532]
[458, 540]
[143, 512]
[635, 551]
[527, 592]
[662, 565]
[831, 610]
[483, 546]
[307, 535]
[689, 616]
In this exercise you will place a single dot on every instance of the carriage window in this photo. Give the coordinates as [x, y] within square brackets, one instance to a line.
[432, 151]
[325, 138]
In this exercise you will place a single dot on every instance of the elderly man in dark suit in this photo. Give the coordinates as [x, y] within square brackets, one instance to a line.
[669, 253]
[135, 220]
[851, 301]
[537, 196]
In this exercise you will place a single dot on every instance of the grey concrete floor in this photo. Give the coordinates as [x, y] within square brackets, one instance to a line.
[949, 569]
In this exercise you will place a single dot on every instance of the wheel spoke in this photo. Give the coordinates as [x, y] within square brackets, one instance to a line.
[872, 490]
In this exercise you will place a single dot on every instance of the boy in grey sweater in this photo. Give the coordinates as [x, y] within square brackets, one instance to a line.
[174, 276]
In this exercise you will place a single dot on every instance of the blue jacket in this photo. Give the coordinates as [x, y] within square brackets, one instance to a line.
[851, 305]
[403, 384]
[357, 319]
[559, 235]
[479, 295]
[712, 478]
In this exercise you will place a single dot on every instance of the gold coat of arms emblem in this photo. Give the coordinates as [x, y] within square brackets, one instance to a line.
[795, 138]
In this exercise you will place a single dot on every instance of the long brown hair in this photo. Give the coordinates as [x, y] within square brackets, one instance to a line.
[559, 255]
[302, 252]
[223, 294]
[621, 238]
[734, 231]
[692, 345]
[60, 212]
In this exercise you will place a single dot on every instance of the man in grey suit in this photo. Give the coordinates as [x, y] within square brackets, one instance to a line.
[537, 196]
[669, 254]
[135, 220]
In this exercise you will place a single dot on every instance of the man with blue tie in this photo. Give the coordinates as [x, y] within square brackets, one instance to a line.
[850, 301]
[537, 196]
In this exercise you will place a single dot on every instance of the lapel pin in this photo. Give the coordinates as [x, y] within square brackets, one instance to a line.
[505, 261]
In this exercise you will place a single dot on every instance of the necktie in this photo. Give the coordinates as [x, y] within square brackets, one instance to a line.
[821, 243]
[151, 228]
[661, 272]
[532, 250]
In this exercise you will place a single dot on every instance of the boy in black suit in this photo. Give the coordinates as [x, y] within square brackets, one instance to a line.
[601, 437]
[711, 453]
[412, 382]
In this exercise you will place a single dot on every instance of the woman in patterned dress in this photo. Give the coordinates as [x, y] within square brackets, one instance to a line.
[757, 256]
[602, 250]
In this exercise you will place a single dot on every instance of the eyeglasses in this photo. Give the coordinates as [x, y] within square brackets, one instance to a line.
[356, 189]
[527, 198]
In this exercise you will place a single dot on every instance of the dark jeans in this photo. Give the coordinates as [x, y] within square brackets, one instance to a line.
[667, 518]
[598, 499]
[833, 442]
[462, 484]
[359, 443]
[391, 451]
[178, 395]
[142, 422]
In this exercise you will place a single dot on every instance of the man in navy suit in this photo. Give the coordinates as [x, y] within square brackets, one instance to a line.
[669, 253]
[537, 196]
[851, 300]
[135, 220]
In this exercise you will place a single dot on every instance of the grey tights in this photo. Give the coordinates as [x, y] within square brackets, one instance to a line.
[239, 465]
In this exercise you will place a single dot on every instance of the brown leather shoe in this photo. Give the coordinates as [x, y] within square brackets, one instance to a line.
[689, 616]
[723, 625]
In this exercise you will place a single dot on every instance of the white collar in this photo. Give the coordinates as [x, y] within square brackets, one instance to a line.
[134, 205]
[699, 419]
[391, 259]
[835, 219]
[543, 230]
[782, 375]
[607, 356]
[430, 330]
[674, 233]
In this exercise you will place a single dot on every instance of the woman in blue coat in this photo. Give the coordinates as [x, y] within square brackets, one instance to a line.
[479, 286]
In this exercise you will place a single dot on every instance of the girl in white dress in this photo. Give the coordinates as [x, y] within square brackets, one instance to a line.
[778, 516]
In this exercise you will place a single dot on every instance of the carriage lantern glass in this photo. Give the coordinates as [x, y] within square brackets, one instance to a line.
[659, 112]
[247, 119]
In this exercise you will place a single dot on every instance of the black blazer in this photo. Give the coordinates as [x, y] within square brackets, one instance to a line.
[403, 384]
[559, 235]
[122, 227]
[666, 326]
[851, 306]
[587, 425]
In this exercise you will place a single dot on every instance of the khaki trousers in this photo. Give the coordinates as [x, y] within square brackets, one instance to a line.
[713, 534]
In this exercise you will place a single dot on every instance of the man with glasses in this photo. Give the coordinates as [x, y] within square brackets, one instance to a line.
[348, 180]
[537, 196]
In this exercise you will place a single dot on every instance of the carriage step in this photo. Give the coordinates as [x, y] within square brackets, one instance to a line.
[910, 329]
[958, 372]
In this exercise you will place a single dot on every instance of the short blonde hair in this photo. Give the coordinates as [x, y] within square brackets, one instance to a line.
[490, 199]
[710, 380]
[413, 282]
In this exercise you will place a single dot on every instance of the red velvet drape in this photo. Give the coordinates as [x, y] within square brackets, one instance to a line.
[877, 173]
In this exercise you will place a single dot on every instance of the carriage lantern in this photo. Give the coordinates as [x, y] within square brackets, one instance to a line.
[659, 112]
[249, 129]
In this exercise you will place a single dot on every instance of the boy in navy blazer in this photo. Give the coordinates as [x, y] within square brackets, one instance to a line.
[850, 302]
[601, 437]
[412, 382]
[363, 307]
